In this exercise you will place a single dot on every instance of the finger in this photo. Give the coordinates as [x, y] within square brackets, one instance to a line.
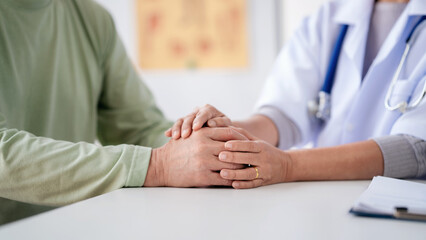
[247, 184]
[216, 180]
[187, 125]
[203, 115]
[176, 128]
[240, 174]
[213, 162]
[218, 165]
[168, 132]
[239, 157]
[244, 146]
[224, 134]
[244, 132]
[219, 122]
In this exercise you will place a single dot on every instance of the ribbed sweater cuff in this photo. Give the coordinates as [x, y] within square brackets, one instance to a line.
[399, 156]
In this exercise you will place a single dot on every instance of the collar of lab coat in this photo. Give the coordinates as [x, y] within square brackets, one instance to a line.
[357, 14]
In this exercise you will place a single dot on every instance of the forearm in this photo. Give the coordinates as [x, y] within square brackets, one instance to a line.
[45, 171]
[361, 160]
[261, 127]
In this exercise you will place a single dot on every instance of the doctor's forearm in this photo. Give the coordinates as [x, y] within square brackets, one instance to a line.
[361, 160]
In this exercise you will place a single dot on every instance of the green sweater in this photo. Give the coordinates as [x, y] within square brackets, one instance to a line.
[65, 81]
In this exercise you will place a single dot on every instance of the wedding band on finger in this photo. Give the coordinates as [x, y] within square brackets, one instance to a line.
[257, 172]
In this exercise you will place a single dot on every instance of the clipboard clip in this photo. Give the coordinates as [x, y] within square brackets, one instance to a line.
[402, 213]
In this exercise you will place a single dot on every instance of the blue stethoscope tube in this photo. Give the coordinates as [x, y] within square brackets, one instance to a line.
[321, 107]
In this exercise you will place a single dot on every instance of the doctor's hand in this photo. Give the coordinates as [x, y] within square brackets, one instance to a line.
[206, 115]
[192, 162]
[268, 164]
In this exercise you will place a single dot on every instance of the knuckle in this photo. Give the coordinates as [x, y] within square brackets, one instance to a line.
[189, 116]
[239, 130]
[230, 157]
[259, 144]
[201, 112]
[229, 132]
[187, 120]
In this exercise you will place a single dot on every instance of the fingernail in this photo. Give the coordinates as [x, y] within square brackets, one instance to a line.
[228, 145]
[236, 184]
[222, 156]
[224, 173]
[175, 133]
[212, 123]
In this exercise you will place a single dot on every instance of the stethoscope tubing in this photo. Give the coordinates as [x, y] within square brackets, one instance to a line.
[321, 108]
[404, 105]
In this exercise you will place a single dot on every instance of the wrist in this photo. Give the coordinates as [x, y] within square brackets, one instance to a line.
[155, 173]
[288, 166]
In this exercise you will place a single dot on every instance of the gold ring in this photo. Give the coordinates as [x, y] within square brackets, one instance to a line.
[257, 173]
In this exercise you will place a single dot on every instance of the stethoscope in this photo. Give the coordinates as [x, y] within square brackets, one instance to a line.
[321, 106]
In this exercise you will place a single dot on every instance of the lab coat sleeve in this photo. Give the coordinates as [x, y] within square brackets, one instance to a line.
[127, 112]
[295, 78]
[45, 171]
[288, 132]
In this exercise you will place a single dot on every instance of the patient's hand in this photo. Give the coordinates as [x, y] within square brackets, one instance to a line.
[206, 115]
[192, 162]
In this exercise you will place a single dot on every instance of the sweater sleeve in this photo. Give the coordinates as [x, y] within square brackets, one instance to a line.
[45, 171]
[404, 156]
[127, 110]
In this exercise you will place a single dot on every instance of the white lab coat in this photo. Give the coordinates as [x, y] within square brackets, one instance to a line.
[357, 110]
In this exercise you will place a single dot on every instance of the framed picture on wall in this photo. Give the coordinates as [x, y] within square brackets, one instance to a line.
[182, 34]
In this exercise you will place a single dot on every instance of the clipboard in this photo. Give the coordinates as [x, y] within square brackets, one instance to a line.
[401, 213]
[392, 199]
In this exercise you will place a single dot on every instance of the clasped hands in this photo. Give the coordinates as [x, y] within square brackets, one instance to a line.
[215, 155]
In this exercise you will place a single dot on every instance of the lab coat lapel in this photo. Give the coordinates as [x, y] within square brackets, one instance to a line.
[357, 15]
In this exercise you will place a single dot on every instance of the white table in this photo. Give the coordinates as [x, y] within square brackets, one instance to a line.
[309, 210]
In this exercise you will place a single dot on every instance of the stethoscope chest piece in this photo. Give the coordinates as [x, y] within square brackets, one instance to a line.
[321, 106]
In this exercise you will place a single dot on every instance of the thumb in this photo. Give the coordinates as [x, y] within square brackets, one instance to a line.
[245, 133]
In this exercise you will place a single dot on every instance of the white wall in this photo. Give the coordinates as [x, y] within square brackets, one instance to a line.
[292, 13]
